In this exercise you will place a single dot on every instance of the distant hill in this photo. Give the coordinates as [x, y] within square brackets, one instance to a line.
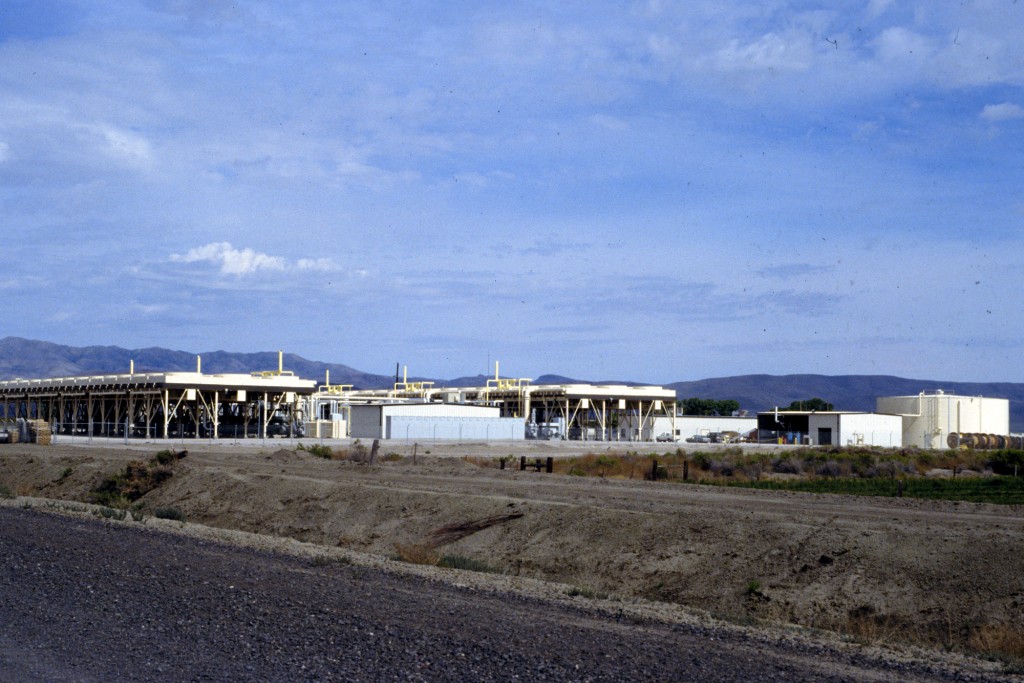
[31, 359]
[846, 392]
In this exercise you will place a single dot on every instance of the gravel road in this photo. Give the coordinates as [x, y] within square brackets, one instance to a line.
[87, 600]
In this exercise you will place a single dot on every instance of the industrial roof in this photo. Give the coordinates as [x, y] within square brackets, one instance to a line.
[197, 380]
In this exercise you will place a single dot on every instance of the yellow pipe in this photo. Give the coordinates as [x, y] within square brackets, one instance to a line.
[199, 365]
[280, 362]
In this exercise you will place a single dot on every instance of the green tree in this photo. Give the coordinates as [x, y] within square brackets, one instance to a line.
[811, 404]
[709, 406]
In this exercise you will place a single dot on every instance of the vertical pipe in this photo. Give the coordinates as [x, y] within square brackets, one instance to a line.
[280, 362]
[199, 365]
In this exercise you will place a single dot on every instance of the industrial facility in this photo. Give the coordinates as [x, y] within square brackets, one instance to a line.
[585, 412]
[162, 404]
[276, 403]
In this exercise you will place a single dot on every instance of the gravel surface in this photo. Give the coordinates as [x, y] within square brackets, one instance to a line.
[89, 600]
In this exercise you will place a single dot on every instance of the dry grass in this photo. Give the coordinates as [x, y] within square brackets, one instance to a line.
[416, 553]
[873, 629]
[999, 641]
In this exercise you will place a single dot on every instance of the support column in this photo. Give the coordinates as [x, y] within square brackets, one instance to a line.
[263, 413]
[165, 399]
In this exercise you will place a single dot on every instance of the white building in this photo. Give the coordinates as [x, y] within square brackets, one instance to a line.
[433, 421]
[929, 419]
[830, 428]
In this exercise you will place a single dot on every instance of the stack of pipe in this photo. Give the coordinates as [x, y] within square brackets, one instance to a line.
[984, 441]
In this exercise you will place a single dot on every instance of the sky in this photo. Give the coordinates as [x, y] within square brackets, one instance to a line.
[650, 191]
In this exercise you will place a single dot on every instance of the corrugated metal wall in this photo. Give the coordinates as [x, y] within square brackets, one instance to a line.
[455, 428]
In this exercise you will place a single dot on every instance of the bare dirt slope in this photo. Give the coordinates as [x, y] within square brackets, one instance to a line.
[935, 571]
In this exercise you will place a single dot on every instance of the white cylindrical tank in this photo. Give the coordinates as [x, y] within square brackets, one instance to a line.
[929, 418]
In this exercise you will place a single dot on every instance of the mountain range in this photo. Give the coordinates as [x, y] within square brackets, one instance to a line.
[29, 358]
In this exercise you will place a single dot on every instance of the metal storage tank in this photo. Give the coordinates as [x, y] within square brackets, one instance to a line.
[929, 419]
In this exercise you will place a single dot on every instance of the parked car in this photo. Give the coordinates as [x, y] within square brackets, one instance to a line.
[665, 437]
[698, 438]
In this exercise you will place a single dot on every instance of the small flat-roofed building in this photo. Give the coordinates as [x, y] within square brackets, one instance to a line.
[433, 421]
[830, 428]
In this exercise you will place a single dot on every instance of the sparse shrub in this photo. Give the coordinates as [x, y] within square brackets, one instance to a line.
[588, 593]
[173, 514]
[165, 457]
[862, 463]
[5, 492]
[466, 563]
[134, 481]
[722, 468]
[65, 473]
[888, 468]
[1006, 461]
[319, 450]
[702, 461]
[752, 471]
[358, 452]
[392, 457]
[110, 513]
[416, 554]
[787, 466]
[753, 587]
[829, 468]
[328, 561]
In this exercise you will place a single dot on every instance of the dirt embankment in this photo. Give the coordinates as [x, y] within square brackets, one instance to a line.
[948, 573]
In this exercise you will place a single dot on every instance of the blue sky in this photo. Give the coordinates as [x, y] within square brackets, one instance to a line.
[654, 191]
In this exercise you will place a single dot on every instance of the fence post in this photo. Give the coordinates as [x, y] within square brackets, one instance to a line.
[654, 469]
[551, 464]
[522, 463]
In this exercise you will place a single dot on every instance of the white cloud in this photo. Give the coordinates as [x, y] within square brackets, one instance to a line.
[232, 261]
[900, 44]
[877, 8]
[1002, 112]
[122, 145]
[770, 51]
[321, 264]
